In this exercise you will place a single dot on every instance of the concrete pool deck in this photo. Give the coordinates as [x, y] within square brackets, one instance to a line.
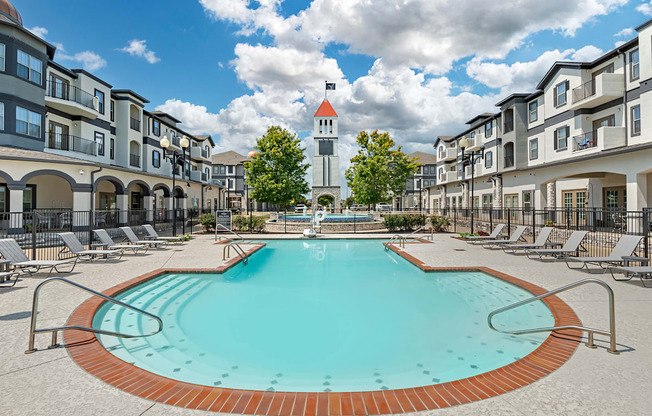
[49, 382]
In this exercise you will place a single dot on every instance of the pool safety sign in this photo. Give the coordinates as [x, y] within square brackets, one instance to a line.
[223, 217]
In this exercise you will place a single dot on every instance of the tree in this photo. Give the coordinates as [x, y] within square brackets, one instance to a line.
[277, 174]
[300, 200]
[378, 172]
[325, 200]
[350, 200]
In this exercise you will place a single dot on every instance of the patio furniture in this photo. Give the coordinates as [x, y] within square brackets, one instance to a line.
[74, 246]
[152, 234]
[540, 242]
[131, 236]
[100, 218]
[517, 235]
[619, 222]
[65, 220]
[572, 246]
[106, 239]
[642, 272]
[43, 221]
[493, 236]
[11, 251]
[6, 277]
[625, 246]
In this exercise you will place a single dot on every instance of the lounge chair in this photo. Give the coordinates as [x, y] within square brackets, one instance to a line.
[152, 234]
[572, 245]
[6, 276]
[480, 238]
[642, 272]
[131, 236]
[539, 243]
[516, 236]
[74, 246]
[111, 245]
[11, 251]
[625, 247]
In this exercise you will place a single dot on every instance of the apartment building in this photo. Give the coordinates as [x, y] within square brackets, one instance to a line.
[69, 140]
[418, 186]
[583, 138]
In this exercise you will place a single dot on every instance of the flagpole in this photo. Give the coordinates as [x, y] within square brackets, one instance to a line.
[326, 90]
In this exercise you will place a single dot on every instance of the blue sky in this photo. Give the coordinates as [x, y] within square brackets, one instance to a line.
[416, 68]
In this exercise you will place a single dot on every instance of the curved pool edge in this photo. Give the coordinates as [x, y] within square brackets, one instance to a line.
[86, 350]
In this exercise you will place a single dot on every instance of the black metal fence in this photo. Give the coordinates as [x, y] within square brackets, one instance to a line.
[37, 231]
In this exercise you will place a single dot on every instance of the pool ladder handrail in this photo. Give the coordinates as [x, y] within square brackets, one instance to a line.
[226, 252]
[33, 331]
[395, 239]
[225, 228]
[612, 316]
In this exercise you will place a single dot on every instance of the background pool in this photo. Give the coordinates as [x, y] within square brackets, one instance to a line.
[325, 315]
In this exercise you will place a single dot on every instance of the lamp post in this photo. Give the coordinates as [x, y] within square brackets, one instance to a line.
[470, 158]
[174, 157]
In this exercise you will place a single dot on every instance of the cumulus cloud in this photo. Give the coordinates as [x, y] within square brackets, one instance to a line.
[139, 48]
[645, 8]
[89, 60]
[39, 31]
[625, 33]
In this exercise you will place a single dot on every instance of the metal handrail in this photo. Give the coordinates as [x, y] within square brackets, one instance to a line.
[226, 252]
[33, 331]
[396, 238]
[225, 228]
[612, 316]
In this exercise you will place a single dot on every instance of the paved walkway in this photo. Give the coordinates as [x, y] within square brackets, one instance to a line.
[592, 381]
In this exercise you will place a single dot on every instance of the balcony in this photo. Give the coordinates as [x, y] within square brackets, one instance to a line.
[134, 123]
[450, 176]
[449, 153]
[134, 161]
[71, 100]
[199, 176]
[600, 90]
[70, 143]
[604, 138]
[475, 143]
[198, 153]
[477, 171]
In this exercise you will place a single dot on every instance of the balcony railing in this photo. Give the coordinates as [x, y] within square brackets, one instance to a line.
[204, 177]
[584, 91]
[585, 141]
[71, 143]
[68, 92]
[134, 124]
[176, 140]
[134, 160]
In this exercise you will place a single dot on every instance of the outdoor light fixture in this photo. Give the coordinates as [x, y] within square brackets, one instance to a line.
[188, 184]
[175, 159]
[81, 171]
[470, 158]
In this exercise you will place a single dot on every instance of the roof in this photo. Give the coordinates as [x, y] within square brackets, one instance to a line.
[480, 117]
[325, 110]
[164, 114]
[424, 158]
[518, 96]
[10, 11]
[228, 158]
[133, 94]
[205, 137]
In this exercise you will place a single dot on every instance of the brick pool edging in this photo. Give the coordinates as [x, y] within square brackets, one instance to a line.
[88, 353]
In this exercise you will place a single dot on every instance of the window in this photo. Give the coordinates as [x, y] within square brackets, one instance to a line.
[4, 206]
[136, 200]
[112, 149]
[2, 116]
[533, 109]
[29, 198]
[509, 154]
[99, 139]
[561, 138]
[112, 109]
[325, 148]
[100, 100]
[534, 149]
[636, 120]
[28, 122]
[433, 169]
[487, 201]
[187, 169]
[230, 170]
[156, 158]
[321, 126]
[488, 159]
[560, 94]
[29, 67]
[330, 126]
[156, 127]
[508, 122]
[3, 50]
[441, 172]
[634, 67]
[488, 129]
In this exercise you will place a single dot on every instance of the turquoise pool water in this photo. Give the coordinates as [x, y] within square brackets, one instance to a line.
[328, 315]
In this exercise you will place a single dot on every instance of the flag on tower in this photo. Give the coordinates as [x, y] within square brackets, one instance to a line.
[330, 86]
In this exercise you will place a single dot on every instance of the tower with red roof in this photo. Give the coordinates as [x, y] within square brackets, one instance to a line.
[326, 162]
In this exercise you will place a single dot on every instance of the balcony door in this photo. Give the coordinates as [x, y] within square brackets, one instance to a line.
[608, 121]
[574, 202]
[58, 136]
[59, 87]
[615, 198]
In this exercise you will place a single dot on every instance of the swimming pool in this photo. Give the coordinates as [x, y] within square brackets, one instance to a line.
[326, 315]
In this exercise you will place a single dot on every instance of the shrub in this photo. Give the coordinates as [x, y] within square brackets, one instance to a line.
[403, 222]
[208, 221]
[242, 223]
[440, 223]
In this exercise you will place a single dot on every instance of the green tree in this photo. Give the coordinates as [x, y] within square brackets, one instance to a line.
[300, 200]
[278, 173]
[378, 172]
[325, 200]
[350, 200]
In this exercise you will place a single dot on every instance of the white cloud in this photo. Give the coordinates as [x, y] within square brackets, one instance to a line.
[625, 33]
[139, 48]
[645, 8]
[39, 31]
[90, 60]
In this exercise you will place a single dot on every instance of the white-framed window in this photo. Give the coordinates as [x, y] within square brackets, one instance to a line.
[488, 129]
[561, 138]
[488, 159]
[2, 116]
[634, 72]
[230, 169]
[99, 139]
[533, 110]
[232, 184]
[561, 92]
[100, 99]
[29, 67]
[28, 122]
[156, 158]
[636, 120]
[534, 149]
[3, 52]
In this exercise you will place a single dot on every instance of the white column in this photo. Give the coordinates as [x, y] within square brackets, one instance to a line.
[552, 194]
[122, 202]
[148, 205]
[636, 191]
[498, 192]
[16, 207]
[81, 206]
[465, 195]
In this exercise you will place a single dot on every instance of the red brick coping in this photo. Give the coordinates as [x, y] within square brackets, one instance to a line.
[89, 353]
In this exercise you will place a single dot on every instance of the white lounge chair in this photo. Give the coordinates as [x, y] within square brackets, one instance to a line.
[152, 234]
[6, 276]
[76, 248]
[111, 245]
[11, 251]
[642, 272]
[625, 246]
[516, 236]
[540, 242]
[480, 238]
[131, 236]
[572, 246]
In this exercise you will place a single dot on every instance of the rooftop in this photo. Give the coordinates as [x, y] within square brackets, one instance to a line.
[325, 110]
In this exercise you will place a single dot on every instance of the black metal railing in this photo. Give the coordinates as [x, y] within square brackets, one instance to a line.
[585, 141]
[584, 91]
[134, 160]
[71, 143]
[68, 92]
[134, 123]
